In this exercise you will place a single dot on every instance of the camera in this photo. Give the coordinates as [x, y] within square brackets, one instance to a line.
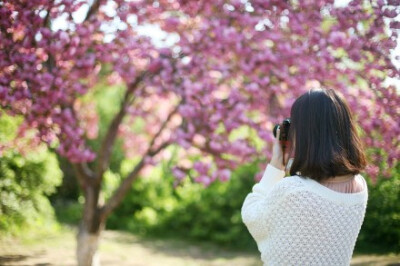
[284, 128]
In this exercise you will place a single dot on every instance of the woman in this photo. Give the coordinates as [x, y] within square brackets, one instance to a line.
[314, 216]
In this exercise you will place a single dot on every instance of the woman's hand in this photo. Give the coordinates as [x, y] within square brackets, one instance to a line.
[277, 153]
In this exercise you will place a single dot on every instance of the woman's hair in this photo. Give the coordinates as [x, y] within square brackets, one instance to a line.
[324, 135]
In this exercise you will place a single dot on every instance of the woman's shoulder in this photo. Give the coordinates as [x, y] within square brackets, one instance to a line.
[294, 180]
[290, 183]
[307, 186]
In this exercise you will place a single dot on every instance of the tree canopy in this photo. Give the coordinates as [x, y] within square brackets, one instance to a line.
[232, 69]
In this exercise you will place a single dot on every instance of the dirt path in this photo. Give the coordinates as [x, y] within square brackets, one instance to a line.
[125, 249]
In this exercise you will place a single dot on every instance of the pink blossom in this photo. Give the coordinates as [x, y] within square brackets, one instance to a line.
[203, 179]
[372, 171]
[393, 2]
[178, 173]
[258, 176]
[224, 175]
[225, 73]
[394, 24]
[338, 39]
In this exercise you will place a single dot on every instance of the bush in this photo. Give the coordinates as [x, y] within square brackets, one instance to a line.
[155, 208]
[25, 183]
[68, 211]
[146, 205]
[215, 213]
[381, 229]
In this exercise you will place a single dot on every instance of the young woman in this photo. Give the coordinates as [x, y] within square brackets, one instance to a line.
[314, 216]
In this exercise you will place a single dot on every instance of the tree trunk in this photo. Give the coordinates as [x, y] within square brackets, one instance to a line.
[91, 225]
[87, 244]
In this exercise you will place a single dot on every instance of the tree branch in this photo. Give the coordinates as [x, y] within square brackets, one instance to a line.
[164, 124]
[119, 194]
[46, 21]
[83, 174]
[109, 139]
[93, 9]
[165, 144]
[86, 170]
[126, 184]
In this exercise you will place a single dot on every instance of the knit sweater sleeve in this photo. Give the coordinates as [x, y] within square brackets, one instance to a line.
[297, 221]
[260, 200]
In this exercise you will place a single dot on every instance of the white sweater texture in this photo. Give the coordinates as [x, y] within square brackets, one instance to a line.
[297, 221]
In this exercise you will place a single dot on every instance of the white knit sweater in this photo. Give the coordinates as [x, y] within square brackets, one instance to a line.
[297, 221]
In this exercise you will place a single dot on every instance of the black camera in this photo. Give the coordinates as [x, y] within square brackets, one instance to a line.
[284, 128]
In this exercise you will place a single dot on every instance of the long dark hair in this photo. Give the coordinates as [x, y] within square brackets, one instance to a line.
[326, 143]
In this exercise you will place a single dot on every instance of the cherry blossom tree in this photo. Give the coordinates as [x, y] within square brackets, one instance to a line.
[232, 70]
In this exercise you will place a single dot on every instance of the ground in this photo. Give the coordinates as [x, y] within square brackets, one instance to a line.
[123, 249]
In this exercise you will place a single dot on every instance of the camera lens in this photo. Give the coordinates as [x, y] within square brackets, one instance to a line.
[275, 129]
[284, 127]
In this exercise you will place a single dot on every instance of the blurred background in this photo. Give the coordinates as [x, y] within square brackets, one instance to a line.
[169, 215]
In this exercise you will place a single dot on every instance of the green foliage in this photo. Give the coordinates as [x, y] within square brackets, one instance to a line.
[25, 181]
[154, 207]
[381, 228]
[68, 212]
[149, 201]
[214, 213]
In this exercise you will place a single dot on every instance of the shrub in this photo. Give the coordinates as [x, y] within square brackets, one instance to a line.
[155, 208]
[25, 183]
[381, 228]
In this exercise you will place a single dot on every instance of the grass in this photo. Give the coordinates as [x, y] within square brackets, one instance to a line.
[123, 249]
